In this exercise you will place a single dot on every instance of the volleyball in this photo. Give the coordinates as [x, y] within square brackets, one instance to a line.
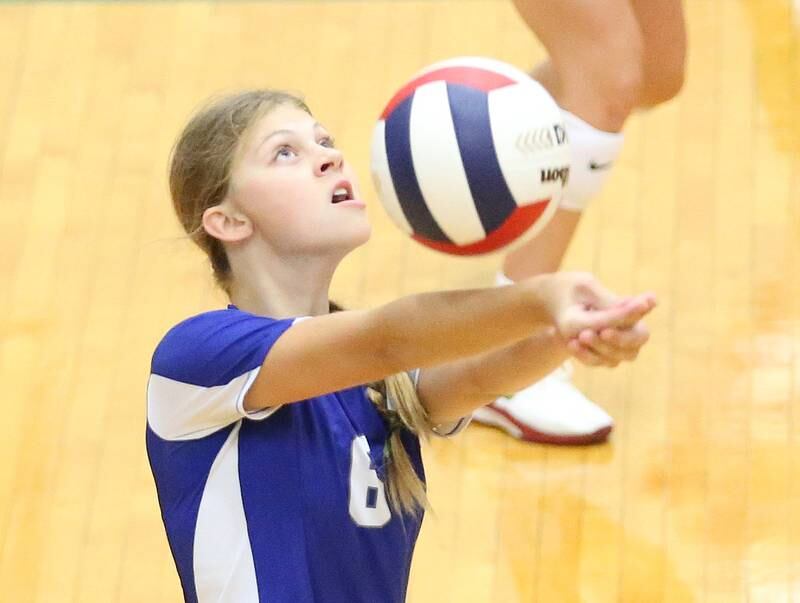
[470, 156]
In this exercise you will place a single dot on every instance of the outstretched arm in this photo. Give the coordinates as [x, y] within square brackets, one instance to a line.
[341, 350]
[336, 351]
[455, 389]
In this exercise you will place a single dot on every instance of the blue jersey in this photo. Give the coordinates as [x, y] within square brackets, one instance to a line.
[281, 505]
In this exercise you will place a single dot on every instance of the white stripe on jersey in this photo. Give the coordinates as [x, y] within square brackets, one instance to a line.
[182, 411]
[223, 558]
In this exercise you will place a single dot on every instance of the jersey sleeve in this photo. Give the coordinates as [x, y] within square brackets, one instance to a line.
[202, 370]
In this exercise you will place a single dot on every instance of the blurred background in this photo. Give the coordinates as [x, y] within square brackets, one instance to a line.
[696, 496]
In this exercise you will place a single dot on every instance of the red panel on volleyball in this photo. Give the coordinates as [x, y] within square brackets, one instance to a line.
[517, 223]
[473, 77]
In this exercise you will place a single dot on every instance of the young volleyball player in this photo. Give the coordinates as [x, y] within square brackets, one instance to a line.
[605, 60]
[283, 437]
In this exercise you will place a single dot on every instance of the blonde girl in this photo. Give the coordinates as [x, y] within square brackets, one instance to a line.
[283, 436]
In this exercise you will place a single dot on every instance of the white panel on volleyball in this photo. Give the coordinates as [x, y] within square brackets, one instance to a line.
[522, 117]
[382, 178]
[437, 163]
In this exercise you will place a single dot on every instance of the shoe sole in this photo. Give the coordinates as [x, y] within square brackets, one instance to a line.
[495, 417]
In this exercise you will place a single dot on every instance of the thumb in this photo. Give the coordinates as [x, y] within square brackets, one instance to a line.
[620, 315]
[617, 315]
[593, 295]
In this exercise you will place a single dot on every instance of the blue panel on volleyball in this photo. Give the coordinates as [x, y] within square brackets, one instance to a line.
[401, 166]
[470, 111]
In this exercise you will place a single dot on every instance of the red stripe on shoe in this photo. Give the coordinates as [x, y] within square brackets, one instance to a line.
[540, 437]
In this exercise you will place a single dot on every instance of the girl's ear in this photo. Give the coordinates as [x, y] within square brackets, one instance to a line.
[226, 223]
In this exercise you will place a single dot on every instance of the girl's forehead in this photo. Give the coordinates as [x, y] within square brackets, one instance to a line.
[285, 117]
[280, 118]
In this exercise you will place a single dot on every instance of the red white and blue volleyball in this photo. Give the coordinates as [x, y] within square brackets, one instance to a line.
[470, 156]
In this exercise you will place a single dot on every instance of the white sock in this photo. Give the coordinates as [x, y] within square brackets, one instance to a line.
[592, 154]
[501, 280]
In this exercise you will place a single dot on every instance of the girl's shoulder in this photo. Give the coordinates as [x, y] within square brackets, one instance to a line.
[224, 341]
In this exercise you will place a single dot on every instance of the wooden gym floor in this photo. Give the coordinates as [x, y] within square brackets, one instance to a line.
[694, 499]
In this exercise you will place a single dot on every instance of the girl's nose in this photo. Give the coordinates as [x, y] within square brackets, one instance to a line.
[331, 159]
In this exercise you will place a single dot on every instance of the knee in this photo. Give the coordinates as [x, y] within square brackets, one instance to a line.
[605, 78]
[609, 93]
[663, 85]
[621, 90]
[664, 70]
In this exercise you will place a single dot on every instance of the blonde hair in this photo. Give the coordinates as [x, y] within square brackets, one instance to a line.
[202, 160]
[199, 177]
[406, 490]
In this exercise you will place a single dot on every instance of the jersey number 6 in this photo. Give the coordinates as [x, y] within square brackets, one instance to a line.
[368, 506]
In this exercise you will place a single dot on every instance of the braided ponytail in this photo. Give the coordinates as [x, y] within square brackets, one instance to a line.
[397, 401]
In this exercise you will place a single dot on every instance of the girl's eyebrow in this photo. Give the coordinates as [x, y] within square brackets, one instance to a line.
[271, 135]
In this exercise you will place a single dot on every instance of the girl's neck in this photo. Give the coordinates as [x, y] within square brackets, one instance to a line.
[287, 289]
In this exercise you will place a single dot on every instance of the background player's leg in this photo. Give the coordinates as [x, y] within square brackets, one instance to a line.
[612, 57]
[594, 72]
[664, 53]
[595, 56]
[603, 63]
[544, 253]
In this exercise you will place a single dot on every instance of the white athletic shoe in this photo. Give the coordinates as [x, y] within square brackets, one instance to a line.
[551, 411]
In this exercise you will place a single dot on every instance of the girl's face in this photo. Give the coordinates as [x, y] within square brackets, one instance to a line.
[295, 187]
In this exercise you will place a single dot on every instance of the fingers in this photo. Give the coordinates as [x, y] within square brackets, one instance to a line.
[600, 328]
[608, 347]
[619, 316]
[629, 339]
[638, 307]
[623, 315]
[596, 295]
[585, 354]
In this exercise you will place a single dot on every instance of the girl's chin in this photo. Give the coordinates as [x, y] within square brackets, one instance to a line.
[351, 242]
[363, 236]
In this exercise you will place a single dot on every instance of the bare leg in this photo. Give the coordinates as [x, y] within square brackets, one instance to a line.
[619, 55]
[594, 73]
[606, 58]
[663, 31]
[544, 253]
[664, 62]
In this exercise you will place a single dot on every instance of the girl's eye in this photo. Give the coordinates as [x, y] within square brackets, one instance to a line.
[284, 152]
[328, 142]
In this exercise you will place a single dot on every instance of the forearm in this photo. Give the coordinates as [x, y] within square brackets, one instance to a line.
[432, 328]
[455, 389]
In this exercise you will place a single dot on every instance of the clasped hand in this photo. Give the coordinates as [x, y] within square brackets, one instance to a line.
[597, 327]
